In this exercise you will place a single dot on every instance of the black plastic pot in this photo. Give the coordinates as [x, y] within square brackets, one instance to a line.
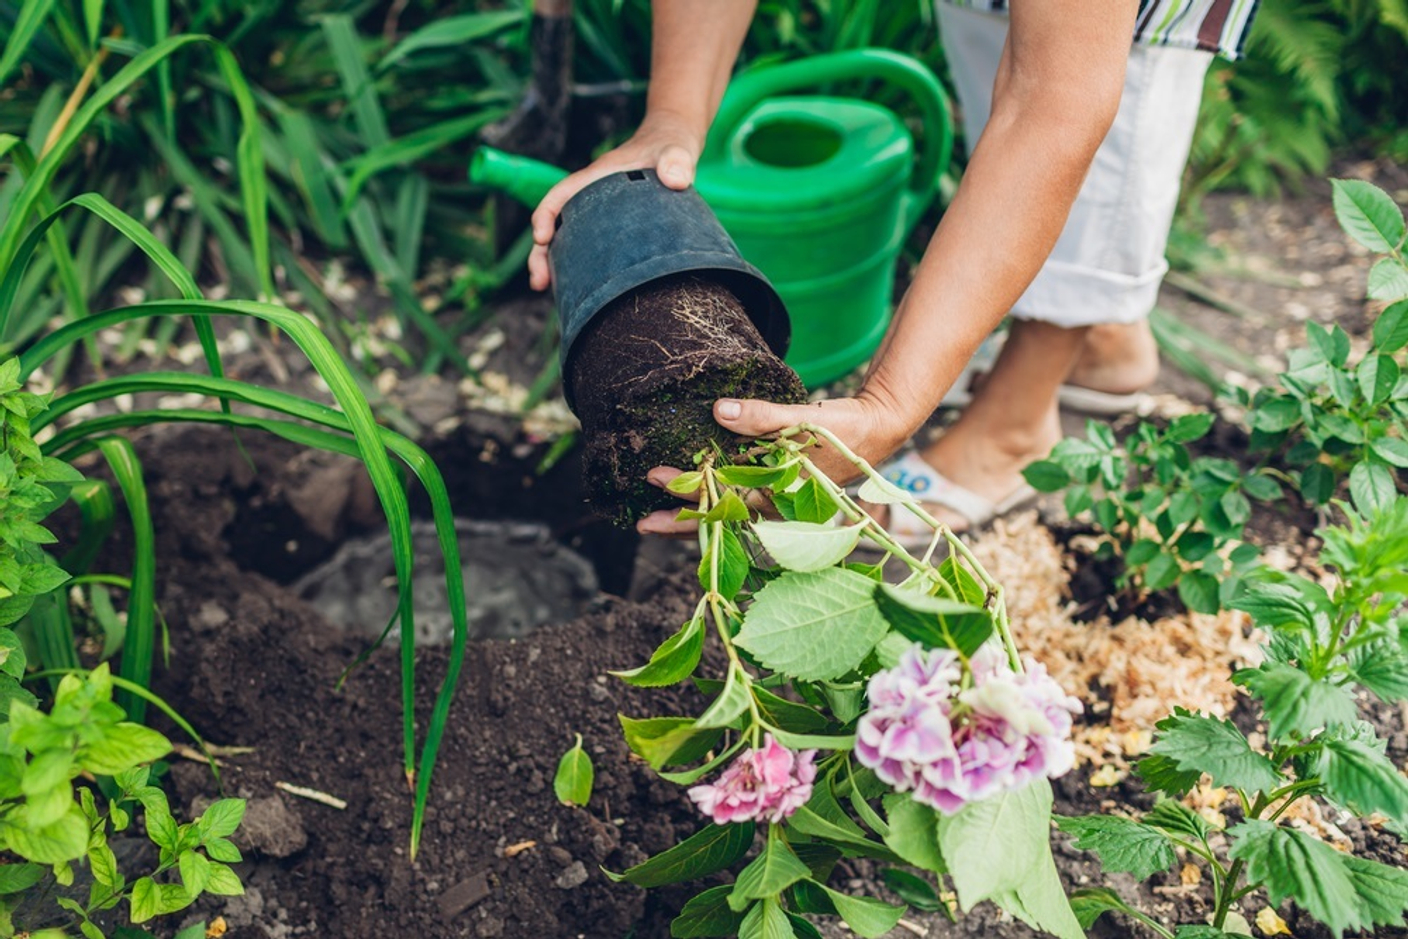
[628, 230]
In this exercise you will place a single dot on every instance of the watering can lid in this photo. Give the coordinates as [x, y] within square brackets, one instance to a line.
[610, 242]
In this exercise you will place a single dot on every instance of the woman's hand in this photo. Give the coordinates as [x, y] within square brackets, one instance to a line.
[864, 423]
[664, 142]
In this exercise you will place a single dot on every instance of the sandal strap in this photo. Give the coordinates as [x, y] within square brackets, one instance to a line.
[916, 476]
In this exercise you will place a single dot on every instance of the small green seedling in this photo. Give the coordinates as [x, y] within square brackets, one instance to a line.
[573, 782]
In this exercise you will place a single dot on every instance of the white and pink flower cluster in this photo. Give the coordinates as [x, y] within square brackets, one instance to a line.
[949, 745]
[767, 784]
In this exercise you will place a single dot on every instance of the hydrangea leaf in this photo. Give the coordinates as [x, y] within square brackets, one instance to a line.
[807, 546]
[1293, 702]
[868, 917]
[813, 626]
[1202, 744]
[1019, 821]
[1041, 901]
[734, 565]
[1089, 903]
[914, 832]
[1359, 777]
[770, 873]
[674, 660]
[812, 503]
[766, 920]
[732, 701]
[935, 622]
[572, 783]
[666, 741]
[1294, 865]
[710, 849]
[1124, 845]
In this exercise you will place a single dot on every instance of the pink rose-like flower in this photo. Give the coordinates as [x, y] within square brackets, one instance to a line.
[769, 783]
[1009, 729]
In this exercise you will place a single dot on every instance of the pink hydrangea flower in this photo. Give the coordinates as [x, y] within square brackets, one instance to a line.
[926, 733]
[769, 783]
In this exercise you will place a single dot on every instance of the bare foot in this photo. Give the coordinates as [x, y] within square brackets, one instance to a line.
[1117, 358]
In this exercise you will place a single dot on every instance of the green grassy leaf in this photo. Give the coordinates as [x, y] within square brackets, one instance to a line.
[774, 870]
[139, 643]
[1294, 865]
[713, 848]
[935, 622]
[813, 626]
[454, 31]
[27, 24]
[1124, 845]
[573, 782]
[1195, 744]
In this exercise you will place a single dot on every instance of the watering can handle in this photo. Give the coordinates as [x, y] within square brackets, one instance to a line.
[750, 89]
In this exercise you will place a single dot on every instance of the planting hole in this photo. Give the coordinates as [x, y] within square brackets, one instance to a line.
[793, 142]
[517, 578]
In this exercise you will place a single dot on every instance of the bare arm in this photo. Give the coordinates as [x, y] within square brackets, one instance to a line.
[693, 47]
[1057, 91]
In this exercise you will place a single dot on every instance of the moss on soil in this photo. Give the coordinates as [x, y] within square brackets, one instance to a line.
[644, 378]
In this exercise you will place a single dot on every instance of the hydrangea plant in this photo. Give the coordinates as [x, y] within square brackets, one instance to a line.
[853, 717]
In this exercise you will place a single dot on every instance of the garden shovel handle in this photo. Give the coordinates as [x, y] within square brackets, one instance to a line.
[752, 88]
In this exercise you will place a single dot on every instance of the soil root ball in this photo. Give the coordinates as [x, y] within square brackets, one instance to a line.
[644, 377]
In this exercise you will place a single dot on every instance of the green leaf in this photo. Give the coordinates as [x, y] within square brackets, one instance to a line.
[913, 832]
[1041, 901]
[731, 703]
[1367, 214]
[807, 546]
[713, 848]
[753, 477]
[1199, 591]
[685, 483]
[573, 782]
[123, 746]
[1089, 902]
[1391, 450]
[1177, 819]
[934, 622]
[195, 872]
[1372, 488]
[867, 917]
[1124, 845]
[16, 878]
[1294, 703]
[223, 881]
[103, 863]
[145, 900]
[674, 660]
[1019, 821]
[1388, 280]
[665, 741]
[1360, 778]
[1162, 571]
[813, 626]
[734, 565]
[770, 873]
[1382, 890]
[730, 508]
[766, 920]
[707, 915]
[1295, 865]
[65, 839]
[812, 503]
[1196, 744]
[1385, 673]
[221, 818]
[222, 849]
[1378, 375]
[1391, 328]
[1046, 476]
[1317, 483]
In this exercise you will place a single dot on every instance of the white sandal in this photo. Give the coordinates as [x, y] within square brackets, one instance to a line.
[1071, 397]
[913, 475]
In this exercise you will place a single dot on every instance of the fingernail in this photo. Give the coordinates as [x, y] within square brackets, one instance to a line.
[730, 410]
[675, 174]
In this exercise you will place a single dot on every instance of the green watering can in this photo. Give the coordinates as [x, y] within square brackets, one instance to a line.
[819, 193]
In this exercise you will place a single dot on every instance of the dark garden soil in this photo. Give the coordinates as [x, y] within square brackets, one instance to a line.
[644, 378]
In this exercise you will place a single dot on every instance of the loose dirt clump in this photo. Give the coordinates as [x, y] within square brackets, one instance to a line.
[644, 378]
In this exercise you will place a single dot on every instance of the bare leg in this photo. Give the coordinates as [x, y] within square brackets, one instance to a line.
[1012, 419]
[1117, 358]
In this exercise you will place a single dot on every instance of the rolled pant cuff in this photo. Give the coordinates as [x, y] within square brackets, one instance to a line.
[1070, 296]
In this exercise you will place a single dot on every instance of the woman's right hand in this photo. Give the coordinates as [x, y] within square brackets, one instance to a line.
[666, 143]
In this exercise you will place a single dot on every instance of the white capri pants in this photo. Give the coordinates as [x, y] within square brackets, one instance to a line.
[1108, 263]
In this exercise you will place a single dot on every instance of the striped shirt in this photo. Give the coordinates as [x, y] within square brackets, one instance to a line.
[1211, 25]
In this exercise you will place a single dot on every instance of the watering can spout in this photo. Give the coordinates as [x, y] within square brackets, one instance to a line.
[524, 179]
